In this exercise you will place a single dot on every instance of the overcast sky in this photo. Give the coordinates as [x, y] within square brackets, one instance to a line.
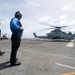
[37, 12]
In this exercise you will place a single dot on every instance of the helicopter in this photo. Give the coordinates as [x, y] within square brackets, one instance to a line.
[57, 34]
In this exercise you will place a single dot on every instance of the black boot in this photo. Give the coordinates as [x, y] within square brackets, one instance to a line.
[15, 64]
[1, 53]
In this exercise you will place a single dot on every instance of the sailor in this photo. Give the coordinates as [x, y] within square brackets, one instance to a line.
[17, 30]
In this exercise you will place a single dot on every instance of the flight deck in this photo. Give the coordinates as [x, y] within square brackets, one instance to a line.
[39, 58]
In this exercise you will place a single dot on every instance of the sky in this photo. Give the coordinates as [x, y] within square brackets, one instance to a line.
[37, 15]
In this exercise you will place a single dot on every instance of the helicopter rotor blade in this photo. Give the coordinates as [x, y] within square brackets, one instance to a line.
[57, 27]
[43, 23]
[63, 26]
[47, 29]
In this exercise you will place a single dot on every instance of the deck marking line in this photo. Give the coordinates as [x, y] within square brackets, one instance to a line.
[45, 54]
[70, 44]
[65, 66]
[71, 73]
[50, 54]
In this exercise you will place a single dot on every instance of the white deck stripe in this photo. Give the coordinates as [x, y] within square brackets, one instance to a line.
[65, 66]
[70, 44]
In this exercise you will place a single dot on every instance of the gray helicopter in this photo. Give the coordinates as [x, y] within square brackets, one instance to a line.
[57, 34]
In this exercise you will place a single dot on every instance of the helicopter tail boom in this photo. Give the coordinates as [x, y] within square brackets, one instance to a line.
[35, 35]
